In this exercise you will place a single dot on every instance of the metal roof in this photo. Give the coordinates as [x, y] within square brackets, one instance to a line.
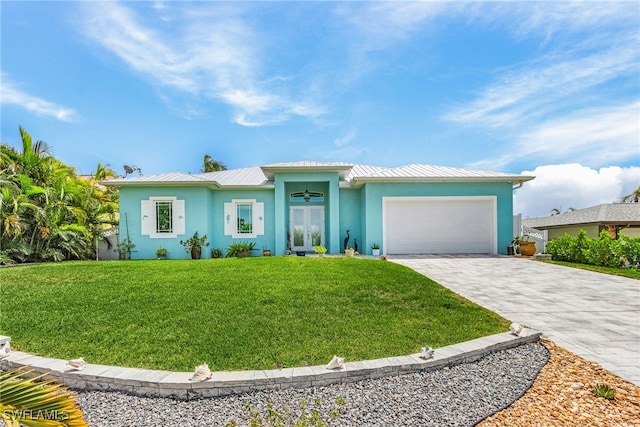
[349, 173]
[419, 172]
[618, 213]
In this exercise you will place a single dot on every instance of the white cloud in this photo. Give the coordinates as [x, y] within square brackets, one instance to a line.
[346, 138]
[211, 53]
[546, 85]
[381, 24]
[543, 109]
[573, 185]
[595, 137]
[11, 94]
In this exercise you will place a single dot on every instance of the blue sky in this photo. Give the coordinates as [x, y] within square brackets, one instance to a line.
[544, 88]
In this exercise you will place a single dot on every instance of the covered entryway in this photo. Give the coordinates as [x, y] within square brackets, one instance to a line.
[306, 228]
[432, 225]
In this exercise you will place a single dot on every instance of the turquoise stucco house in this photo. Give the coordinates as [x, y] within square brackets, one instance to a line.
[414, 209]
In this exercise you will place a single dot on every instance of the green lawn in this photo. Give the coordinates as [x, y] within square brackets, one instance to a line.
[250, 313]
[632, 273]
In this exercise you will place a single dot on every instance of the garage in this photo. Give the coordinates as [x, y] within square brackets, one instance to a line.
[439, 225]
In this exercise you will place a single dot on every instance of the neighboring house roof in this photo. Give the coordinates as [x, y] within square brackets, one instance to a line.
[610, 213]
[349, 173]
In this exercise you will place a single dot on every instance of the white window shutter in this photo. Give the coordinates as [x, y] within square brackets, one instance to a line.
[147, 213]
[229, 219]
[258, 218]
[179, 226]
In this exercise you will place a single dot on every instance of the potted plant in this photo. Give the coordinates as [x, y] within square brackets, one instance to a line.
[525, 245]
[265, 251]
[375, 249]
[320, 250]
[161, 253]
[194, 245]
[216, 253]
[124, 249]
[350, 252]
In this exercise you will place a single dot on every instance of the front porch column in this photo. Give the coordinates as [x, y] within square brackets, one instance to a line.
[281, 227]
[334, 215]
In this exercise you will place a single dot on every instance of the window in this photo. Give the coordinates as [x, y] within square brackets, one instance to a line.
[162, 217]
[244, 218]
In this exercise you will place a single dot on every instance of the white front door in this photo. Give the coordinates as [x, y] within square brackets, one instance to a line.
[306, 227]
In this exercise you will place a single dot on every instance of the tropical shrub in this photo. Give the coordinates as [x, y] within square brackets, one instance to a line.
[240, 249]
[602, 251]
[628, 248]
[47, 211]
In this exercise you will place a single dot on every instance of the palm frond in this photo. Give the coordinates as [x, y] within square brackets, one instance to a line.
[33, 403]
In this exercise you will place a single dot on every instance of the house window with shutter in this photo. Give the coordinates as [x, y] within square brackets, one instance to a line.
[244, 218]
[162, 217]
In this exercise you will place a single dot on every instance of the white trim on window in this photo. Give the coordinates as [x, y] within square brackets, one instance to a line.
[148, 217]
[231, 219]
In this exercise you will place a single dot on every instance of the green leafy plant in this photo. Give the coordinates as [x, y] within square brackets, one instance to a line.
[241, 249]
[309, 416]
[194, 242]
[602, 251]
[216, 253]
[603, 390]
[161, 252]
[320, 250]
[125, 247]
[5, 259]
[32, 403]
[375, 246]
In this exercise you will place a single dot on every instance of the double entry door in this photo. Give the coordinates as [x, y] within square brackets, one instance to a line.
[306, 227]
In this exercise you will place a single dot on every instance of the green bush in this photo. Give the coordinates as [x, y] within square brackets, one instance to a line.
[603, 251]
[241, 249]
[628, 248]
[560, 248]
[600, 251]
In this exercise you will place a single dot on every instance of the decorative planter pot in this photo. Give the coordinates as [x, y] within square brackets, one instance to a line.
[528, 248]
[196, 252]
[349, 252]
[375, 252]
[301, 253]
[266, 252]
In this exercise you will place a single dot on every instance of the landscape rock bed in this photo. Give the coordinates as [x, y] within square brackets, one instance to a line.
[562, 396]
[460, 395]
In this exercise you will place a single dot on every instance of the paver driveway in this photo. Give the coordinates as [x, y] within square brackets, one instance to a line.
[594, 315]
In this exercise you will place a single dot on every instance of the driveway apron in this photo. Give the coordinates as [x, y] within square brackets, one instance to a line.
[594, 315]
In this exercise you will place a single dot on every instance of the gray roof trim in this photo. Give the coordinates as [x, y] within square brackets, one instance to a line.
[608, 213]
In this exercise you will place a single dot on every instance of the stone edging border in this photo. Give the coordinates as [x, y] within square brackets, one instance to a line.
[177, 385]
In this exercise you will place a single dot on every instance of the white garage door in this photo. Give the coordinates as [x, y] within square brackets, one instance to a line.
[429, 225]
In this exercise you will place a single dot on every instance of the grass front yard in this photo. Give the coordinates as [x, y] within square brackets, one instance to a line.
[631, 273]
[250, 313]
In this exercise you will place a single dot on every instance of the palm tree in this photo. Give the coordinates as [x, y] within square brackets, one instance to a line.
[634, 197]
[555, 211]
[48, 211]
[212, 165]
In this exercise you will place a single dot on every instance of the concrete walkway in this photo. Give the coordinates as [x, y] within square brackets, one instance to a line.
[594, 315]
